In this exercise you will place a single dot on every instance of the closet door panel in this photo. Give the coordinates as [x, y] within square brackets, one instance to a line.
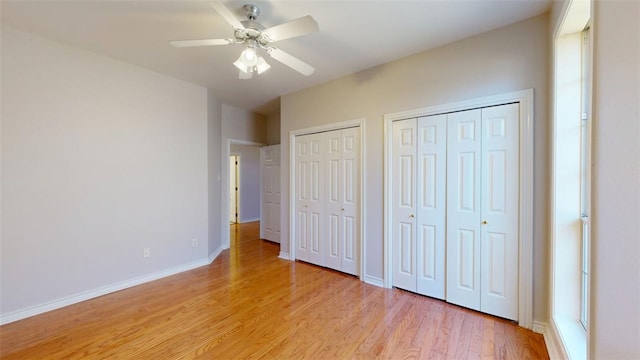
[302, 197]
[500, 204]
[350, 194]
[463, 208]
[316, 198]
[431, 205]
[334, 200]
[404, 204]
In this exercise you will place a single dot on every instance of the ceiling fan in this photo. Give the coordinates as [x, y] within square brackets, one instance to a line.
[256, 37]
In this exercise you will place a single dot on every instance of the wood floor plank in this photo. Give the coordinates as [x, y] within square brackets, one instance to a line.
[250, 304]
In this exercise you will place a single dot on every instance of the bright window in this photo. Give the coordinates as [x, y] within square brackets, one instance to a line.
[585, 175]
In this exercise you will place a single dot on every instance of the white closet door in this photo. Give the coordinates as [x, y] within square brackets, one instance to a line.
[431, 205]
[310, 198]
[333, 204]
[463, 208]
[270, 219]
[404, 204]
[342, 192]
[500, 200]
[350, 194]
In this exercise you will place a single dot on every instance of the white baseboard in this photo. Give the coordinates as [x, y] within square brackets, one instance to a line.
[242, 221]
[284, 255]
[371, 280]
[74, 299]
[554, 343]
[215, 254]
[539, 327]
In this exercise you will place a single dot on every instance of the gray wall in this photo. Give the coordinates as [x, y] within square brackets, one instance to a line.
[100, 159]
[615, 249]
[214, 144]
[512, 58]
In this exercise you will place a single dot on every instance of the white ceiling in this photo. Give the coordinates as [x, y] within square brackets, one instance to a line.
[354, 36]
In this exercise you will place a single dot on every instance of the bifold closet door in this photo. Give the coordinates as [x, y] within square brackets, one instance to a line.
[404, 204]
[482, 209]
[500, 210]
[463, 208]
[431, 205]
[343, 196]
[310, 198]
[327, 199]
[270, 219]
[418, 220]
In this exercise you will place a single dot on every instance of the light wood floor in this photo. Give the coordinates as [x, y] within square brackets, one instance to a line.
[250, 304]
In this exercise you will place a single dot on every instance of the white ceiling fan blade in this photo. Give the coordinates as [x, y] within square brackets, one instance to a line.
[227, 15]
[291, 61]
[205, 42]
[298, 27]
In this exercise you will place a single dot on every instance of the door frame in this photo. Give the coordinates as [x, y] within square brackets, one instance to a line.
[292, 183]
[525, 241]
[224, 205]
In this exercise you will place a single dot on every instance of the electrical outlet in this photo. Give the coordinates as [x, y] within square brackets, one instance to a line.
[146, 252]
[194, 242]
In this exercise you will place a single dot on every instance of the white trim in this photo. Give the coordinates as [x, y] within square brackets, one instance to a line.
[554, 343]
[87, 295]
[215, 254]
[539, 327]
[224, 201]
[372, 280]
[564, 336]
[292, 182]
[262, 191]
[284, 255]
[243, 221]
[525, 273]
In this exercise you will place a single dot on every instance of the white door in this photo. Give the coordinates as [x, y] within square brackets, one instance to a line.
[310, 198]
[350, 195]
[404, 204]
[342, 192]
[270, 217]
[431, 205]
[334, 200]
[463, 208]
[499, 211]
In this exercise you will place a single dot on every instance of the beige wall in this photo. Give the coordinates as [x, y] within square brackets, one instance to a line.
[615, 262]
[512, 58]
[273, 128]
[100, 159]
[240, 124]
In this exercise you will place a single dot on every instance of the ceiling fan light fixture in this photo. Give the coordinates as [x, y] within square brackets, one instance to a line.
[262, 65]
[249, 62]
[249, 56]
[242, 66]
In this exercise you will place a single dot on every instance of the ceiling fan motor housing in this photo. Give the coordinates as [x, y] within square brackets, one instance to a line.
[251, 11]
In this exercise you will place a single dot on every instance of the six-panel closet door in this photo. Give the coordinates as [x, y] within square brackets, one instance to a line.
[482, 209]
[327, 199]
[419, 168]
[310, 198]
[343, 196]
